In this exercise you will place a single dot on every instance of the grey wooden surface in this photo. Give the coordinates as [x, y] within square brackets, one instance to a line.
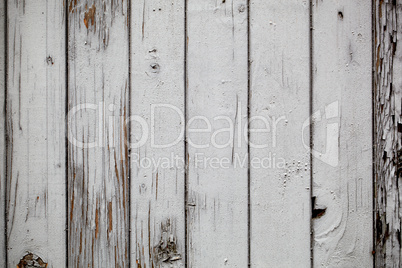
[266, 104]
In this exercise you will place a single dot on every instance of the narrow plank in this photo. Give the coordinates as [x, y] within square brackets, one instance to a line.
[342, 134]
[2, 133]
[157, 182]
[387, 145]
[98, 194]
[280, 194]
[217, 173]
[36, 133]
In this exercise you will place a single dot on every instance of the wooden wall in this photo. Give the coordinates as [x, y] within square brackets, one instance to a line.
[275, 96]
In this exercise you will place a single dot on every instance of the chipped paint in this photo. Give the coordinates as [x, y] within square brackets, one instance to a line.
[97, 18]
[388, 122]
[166, 250]
[89, 17]
[31, 260]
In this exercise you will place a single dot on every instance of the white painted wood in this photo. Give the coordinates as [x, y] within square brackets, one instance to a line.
[280, 195]
[35, 125]
[2, 135]
[98, 195]
[217, 90]
[157, 187]
[342, 163]
[168, 87]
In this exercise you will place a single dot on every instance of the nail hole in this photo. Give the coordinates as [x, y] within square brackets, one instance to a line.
[155, 67]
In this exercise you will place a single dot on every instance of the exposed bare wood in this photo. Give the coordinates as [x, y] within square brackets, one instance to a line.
[217, 172]
[98, 199]
[280, 194]
[387, 86]
[342, 134]
[36, 127]
[157, 97]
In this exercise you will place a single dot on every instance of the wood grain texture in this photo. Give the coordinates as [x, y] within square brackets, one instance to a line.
[217, 173]
[35, 125]
[280, 195]
[2, 133]
[157, 97]
[161, 99]
[387, 146]
[342, 133]
[98, 196]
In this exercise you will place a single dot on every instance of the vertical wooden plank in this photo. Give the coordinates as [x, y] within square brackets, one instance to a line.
[2, 133]
[216, 116]
[387, 140]
[342, 133]
[280, 195]
[157, 102]
[36, 133]
[98, 231]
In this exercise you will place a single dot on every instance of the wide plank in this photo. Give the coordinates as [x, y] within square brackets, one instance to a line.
[216, 116]
[342, 134]
[280, 133]
[157, 133]
[36, 133]
[98, 164]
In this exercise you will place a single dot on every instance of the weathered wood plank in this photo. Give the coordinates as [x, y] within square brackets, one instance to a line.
[157, 180]
[217, 94]
[342, 133]
[35, 125]
[98, 196]
[387, 146]
[280, 195]
[2, 133]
